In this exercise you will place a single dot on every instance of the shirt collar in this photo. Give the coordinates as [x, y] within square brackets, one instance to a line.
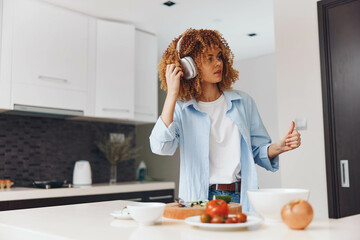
[229, 95]
[190, 102]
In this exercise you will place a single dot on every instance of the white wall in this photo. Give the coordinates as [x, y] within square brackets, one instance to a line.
[299, 95]
[257, 78]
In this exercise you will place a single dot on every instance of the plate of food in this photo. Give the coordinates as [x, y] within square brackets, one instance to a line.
[224, 223]
[121, 214]
[217, 215]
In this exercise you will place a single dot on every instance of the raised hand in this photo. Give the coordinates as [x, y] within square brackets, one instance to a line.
[173, 75]
[290, 141]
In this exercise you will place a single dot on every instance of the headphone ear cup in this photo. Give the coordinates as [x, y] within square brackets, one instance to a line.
[188, 67]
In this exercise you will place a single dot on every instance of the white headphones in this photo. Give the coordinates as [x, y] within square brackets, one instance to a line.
[188, 65]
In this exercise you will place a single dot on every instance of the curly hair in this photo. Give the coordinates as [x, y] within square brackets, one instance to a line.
[195, 43]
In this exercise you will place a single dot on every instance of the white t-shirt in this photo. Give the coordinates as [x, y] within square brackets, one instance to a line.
[224, 143]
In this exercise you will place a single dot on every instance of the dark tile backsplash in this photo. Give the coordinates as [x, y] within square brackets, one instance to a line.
[44, 148]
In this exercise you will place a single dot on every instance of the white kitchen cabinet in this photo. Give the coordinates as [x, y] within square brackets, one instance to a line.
[115, 70]
[54, 59]
[5, 40]
[49, 55]
[49, 46]
[146, 80]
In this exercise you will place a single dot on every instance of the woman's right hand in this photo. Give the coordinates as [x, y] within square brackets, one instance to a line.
[173, 75]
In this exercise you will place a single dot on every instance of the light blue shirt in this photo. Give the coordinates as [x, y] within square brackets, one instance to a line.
[191, 130]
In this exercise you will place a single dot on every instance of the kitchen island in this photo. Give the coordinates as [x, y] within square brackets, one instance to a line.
[93, 221]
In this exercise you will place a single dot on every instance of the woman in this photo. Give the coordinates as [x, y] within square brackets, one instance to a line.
[220, 132]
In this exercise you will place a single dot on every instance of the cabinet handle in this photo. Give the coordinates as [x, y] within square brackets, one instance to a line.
[160, 197]
[132, 199]
[344, 167]
[53, 79]
[148, 114]
[116, 110]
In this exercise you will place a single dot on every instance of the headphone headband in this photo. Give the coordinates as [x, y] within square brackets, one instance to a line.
[178, 45]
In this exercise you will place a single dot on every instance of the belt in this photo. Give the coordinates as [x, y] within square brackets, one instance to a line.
[232, 187]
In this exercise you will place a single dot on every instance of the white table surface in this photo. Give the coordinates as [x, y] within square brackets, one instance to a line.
[93, 221]
[95, 189]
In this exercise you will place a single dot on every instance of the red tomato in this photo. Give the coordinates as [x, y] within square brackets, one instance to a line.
[217, 207]
[205, 218]
[218, 219]
[241, 217]
[231, 220]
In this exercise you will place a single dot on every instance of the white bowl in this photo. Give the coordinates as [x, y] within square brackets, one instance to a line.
[268, 202]
[146, 213]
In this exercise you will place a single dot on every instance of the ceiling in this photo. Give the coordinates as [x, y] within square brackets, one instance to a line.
[233, 18]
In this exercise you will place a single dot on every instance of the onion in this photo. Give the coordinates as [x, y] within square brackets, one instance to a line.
[297, 214]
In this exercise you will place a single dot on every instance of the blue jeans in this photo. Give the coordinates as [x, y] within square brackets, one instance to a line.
[235, 196]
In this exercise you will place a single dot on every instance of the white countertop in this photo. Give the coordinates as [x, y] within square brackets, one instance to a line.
[93, 221]
[95, 189]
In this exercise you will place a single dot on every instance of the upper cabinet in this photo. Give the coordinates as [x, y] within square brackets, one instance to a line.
[49, 56]
[49, 46]
[115, 70]
[54, 58]
[146, 83]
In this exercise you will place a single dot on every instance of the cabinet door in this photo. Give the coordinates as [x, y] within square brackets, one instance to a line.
[340, 54]
[146, 81]
[5, 50]
[49, 46]
[49, 56]
[115, 64]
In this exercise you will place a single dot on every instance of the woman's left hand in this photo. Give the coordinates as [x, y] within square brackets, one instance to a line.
[290, 140]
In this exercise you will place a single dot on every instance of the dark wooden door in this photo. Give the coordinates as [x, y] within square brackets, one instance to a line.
[339, 31]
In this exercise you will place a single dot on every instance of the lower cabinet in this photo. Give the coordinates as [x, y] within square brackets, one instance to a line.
[165, 196]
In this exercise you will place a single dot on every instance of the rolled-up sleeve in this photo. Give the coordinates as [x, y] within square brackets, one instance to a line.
[265, 162]
[164, 140]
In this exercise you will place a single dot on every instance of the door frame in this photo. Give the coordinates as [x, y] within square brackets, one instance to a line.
[332, 168]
